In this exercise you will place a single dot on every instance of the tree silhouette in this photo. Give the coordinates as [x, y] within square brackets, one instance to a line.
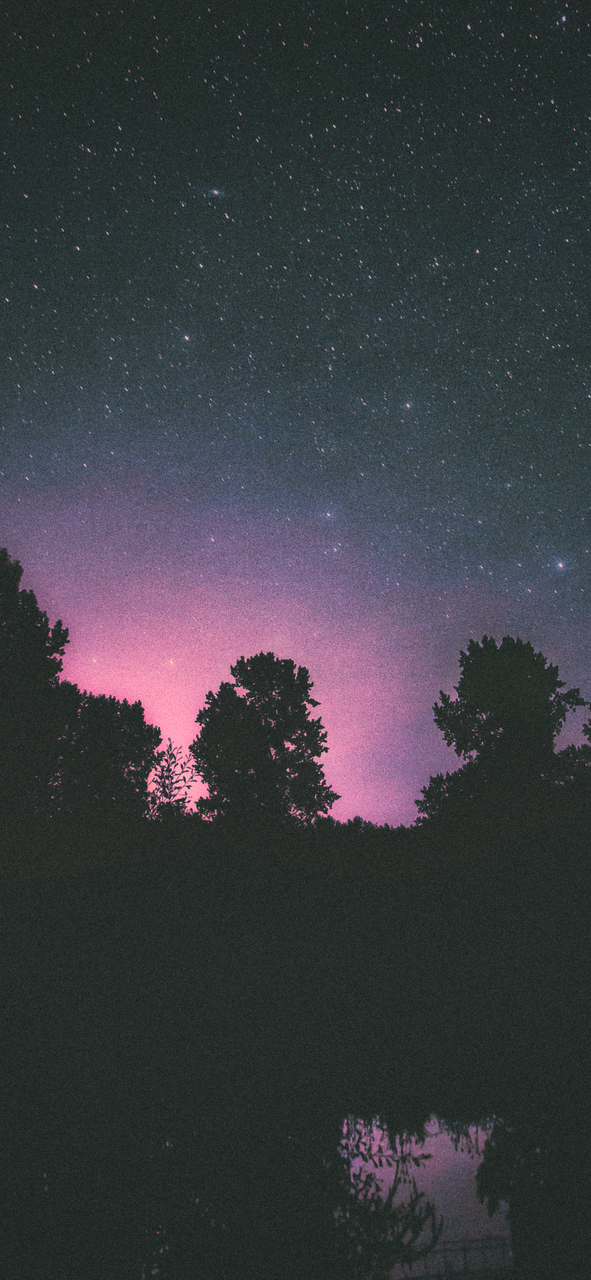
[504, 722]
[31, 655]
[258, 749]
[63, 753]
[373, 1233]
[508, 699]
[106, 754]
[169, 787]
[539, 1167]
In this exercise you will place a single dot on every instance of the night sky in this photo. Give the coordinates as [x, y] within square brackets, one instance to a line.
[295, 352]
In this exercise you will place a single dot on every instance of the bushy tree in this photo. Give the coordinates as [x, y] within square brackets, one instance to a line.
[31, 655]
[508, 712]
[258, 750]
[508, 702]
[106, 754]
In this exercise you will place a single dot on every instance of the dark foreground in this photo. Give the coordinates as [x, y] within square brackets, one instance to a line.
[188, 1019]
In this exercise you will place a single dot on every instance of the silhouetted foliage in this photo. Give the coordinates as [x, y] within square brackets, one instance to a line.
[373, 1233]
[571, 776]
[258, 749]
[504, 722]
[508, 700]
[31, 655]
[536, 1165]
[295, 1201]
[168, 795]
[106, 752]
[65, 755]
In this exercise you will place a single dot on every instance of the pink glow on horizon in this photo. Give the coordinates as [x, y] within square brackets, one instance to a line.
[159, 609]
[194, 655]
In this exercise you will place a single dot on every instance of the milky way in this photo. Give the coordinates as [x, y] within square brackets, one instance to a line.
[295, 353]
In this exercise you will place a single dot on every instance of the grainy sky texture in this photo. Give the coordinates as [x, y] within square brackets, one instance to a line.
[295, 351]
[448, 1181]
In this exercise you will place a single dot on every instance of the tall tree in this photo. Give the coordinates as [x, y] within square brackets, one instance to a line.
[508, 712]
[258, 750]
[31, 655]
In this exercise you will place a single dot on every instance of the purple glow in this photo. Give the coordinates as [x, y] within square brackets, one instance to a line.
[159, 608]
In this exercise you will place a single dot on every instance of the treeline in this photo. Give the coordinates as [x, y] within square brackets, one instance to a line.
[74, 762]
[198, 1000]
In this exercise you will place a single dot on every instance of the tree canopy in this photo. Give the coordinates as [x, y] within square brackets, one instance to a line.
[31, 655]
[106, 752]
[82, 757]
[508, 712]
[508, 695]
[258, 750]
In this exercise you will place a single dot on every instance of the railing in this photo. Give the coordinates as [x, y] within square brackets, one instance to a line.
[490, 1254]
